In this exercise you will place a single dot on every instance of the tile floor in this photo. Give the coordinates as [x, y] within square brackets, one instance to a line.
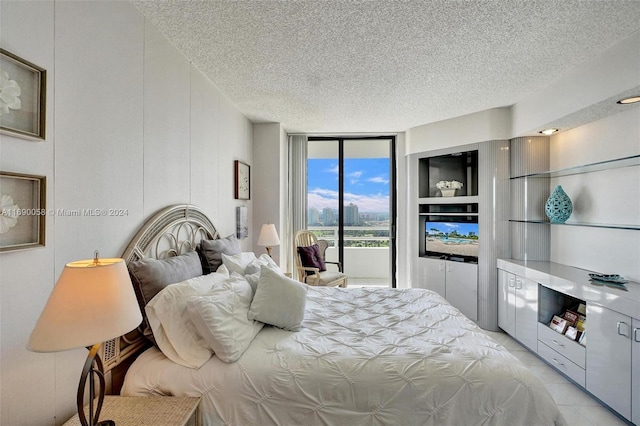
[577, 407]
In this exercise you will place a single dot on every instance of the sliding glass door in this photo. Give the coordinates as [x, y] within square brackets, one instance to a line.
[350, 202]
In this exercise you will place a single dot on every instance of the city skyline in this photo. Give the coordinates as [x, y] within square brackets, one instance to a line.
[366, 184]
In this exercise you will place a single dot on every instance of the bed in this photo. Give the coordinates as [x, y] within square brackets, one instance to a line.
[360, 356]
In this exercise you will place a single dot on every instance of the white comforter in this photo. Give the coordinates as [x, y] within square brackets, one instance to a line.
[363, 357]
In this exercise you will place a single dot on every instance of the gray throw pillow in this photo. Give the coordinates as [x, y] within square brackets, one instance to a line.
[211, 251]
[149, 276]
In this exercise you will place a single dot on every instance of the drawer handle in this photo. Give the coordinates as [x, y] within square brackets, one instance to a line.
[511, 282]
[518, 284]
[558, 362]
[635, 335]
[618, 326]
[555, 342]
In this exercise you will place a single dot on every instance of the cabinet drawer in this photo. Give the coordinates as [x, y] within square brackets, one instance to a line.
[561, 363]
[574, 351]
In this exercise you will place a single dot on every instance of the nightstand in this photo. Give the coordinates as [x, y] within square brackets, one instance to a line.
[148, 411]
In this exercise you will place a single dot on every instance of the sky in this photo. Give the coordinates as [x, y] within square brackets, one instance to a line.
[366, 183]
[461, 228]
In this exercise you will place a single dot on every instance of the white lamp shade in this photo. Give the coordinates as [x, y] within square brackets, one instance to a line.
[268, 236]
[91, 303]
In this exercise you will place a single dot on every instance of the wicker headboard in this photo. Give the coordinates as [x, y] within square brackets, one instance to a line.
[172, 231]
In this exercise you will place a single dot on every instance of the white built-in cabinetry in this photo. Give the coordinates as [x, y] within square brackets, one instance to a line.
[455, 281]
[635, 371]
[518, 307]
[609, 335]
[608, 364]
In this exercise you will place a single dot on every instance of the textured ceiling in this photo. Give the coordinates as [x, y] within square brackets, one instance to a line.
[385, 66]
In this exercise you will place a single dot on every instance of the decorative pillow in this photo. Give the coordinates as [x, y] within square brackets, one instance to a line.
[279, 301]
[238, 262]
[150, 276]
[252, 271]
[210, 252]
[221, 320]
[310, 257]
[175, 334]
[263, 260]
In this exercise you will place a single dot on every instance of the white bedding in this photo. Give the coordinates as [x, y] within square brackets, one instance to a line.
[363, 357]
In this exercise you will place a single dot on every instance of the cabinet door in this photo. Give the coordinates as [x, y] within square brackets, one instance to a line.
[526, 312]
[609, 357]
[506, 302]
[432, 276]
[462, 287]
[635, 372]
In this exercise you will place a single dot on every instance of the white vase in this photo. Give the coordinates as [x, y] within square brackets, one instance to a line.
[448, 192]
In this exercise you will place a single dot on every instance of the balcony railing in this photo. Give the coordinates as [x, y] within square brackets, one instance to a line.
[364, 265]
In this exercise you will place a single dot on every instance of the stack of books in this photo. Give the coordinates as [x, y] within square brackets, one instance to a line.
[571, 324]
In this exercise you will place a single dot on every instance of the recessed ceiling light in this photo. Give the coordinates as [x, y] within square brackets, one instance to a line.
[548, 131]
[629, 100]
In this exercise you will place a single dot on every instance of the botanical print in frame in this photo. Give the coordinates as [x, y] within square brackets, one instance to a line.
[22, 97]
[23, 214]
[242, 226]
[243, 181]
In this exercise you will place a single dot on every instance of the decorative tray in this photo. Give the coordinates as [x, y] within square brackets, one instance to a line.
[609, 278]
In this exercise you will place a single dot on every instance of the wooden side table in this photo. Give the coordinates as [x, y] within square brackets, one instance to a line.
[148, 411]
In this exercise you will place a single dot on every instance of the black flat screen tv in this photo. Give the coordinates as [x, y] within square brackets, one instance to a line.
[452, 240]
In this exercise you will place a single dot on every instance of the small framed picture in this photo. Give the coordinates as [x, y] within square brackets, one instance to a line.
[243, 181]
[22, 105]
[23, 214]
[242, 226]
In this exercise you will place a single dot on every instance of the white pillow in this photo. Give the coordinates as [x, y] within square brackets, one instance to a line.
[238, 262]
[221, 318]
[263, 260]
[252, 271]
[223, 270]
[173, 331]
[279, 301]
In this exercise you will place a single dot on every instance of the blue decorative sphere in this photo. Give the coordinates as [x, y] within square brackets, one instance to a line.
[558, 206]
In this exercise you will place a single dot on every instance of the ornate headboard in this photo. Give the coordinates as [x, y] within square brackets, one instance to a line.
[172, 231]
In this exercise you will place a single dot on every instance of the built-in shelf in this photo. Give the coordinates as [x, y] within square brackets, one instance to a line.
[449, 200]
[631, 161]
[590, 225]
[449, 214]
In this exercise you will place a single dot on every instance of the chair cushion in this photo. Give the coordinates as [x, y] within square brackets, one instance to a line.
[328, 277]
[310, 257]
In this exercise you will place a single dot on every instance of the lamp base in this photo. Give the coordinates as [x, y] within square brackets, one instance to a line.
[92, 366]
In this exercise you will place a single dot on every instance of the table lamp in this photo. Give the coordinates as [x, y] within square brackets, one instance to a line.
[268, 237]
[92, 302]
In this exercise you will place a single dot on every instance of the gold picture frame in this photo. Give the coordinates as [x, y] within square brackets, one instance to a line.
[243, 180]
[23, 214]
[23, 107]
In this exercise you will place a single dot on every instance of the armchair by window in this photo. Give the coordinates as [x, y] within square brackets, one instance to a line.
[311, 265]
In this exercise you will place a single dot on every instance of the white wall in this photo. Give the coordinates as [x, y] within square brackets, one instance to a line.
[615, 71]
[491, 124]
[131, 124]
[268, 192]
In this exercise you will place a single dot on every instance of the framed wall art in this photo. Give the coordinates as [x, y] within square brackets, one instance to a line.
[22, 104]
[242, 224]
[243, 181]
[23, 214]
